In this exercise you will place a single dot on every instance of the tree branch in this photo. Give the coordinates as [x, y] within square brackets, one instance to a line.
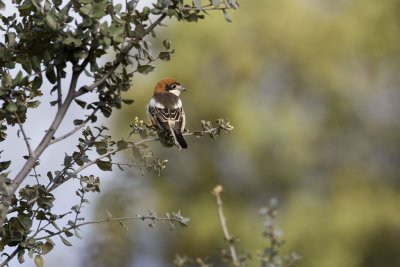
[217, 193]
[10, 257]
[21, 127]
[138, 217]
[57, 183]
[77, 128]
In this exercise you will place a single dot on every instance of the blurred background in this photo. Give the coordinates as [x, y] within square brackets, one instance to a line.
[312, 88]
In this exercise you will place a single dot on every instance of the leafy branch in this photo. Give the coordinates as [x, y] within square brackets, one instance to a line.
[170, 218]
[44, 248]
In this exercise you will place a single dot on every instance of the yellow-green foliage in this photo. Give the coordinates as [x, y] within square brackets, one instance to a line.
[312, 90]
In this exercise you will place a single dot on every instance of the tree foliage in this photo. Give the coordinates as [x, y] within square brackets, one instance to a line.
[53, 43]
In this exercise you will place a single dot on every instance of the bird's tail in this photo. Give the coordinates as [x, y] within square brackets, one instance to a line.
[181, 141]
[178, 138]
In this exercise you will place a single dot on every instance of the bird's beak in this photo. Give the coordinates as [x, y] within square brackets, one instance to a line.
[182, 89]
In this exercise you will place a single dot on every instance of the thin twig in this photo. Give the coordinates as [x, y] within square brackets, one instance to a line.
[59, 90]
[12, 255]
[141, 217]
[217, 193]
[21, 127]
[77, 128]
[202, 9]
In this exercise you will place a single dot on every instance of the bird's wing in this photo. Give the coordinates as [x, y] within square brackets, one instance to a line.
[165, 118]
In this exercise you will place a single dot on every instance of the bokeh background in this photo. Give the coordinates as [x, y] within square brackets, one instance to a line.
[312, 88]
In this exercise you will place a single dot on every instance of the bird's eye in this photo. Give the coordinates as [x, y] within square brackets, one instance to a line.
[173, 86]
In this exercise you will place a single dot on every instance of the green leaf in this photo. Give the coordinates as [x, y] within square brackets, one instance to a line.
[228, 18]
[104, 165]
[145, 69]
[39, 261]
[65, 241]
[35, 61]
[7, 79]
[51, 75]
[166, 56]
[40, 215]
[37, 82]
[18, 78]
[167, 44]
[146, 11]
[86, 9]
[216, 3]
[4, 165]
[11, 107]
[50, 175]
[51, 21]
[170, 12]
[78, 122]
[128, 101]
[72, 41]
[21, 258]
[68, 233]
[122, 144]
[67, 160]
[99, 10]
[155, 11]
[26, 65]
[53, 103]
[47, 247]
[33, 104]
[77, 234]
[81, 103]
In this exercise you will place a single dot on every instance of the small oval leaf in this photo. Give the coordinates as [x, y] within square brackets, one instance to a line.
[39, 261]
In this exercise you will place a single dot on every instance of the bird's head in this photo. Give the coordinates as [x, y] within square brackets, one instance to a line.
[169, 85]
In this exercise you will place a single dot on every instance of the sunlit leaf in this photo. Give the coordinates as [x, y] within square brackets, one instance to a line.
[65, 241]
[104, 165]
[39, 262]
[145, 69]
[47, 247]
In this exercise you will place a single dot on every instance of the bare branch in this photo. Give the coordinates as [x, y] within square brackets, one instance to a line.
[172, 219]
[10, 257]
[217, 193]
[21, 127]
[77, 128]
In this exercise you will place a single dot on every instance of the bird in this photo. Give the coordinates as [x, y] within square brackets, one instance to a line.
[166, 113]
